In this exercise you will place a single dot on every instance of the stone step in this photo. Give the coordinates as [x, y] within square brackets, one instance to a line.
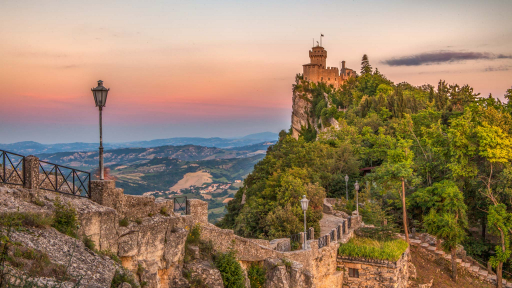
[466, 264]
[483, 272]
[431, 248]
[415, 242]
[474, 268]
[440, 253]
[447, 257]
[424, 245]
[492, 277]
[458, 260]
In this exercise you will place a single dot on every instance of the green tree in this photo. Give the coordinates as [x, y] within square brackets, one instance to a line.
[396, 170]
[500, 224]
[366, 68]
[447, 216]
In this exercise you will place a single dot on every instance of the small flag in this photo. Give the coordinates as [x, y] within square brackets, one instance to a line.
[322, 35]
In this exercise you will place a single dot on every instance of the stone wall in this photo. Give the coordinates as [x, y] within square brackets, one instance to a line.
[133, 207]
[375, 274]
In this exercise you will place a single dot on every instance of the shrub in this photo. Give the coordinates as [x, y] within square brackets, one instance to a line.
[138, 221]
[256, 274]
[124, 222]
[122, 276]
[89, 243]
[65, 218]
[109, 254]
[230, 269]
[194, 235]
[163, 211]
[390, 250]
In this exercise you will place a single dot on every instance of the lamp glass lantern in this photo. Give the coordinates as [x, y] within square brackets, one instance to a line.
[304, 203]
[100, 94]
[346, 186]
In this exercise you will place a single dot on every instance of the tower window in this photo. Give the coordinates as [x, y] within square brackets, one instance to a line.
[354, 273]
[329, 79]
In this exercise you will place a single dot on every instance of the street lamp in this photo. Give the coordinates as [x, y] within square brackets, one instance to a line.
[304, 203]
[346, 185]
[357, 197]
[100, 97]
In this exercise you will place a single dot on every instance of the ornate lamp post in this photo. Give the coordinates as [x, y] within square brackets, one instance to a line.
[357, 197]
[100, 97]
[304, 203]
[346, 186]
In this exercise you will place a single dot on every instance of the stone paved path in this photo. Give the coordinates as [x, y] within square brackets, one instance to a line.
[328, 223]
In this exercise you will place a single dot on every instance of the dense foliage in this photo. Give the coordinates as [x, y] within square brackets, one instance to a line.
[414, 139]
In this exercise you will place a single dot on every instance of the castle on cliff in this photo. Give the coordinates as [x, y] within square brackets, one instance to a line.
[316, 70]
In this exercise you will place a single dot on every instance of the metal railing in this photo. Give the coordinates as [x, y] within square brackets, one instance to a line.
[322, 241]
[308, 235]
[295, 242]
[349, 222]
[338, 232]
[64, 179]
[180, 204]
[13, 168]
[344, 227]
[332, 235]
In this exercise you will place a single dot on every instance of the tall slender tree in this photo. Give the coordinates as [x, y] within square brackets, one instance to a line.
[366, 68]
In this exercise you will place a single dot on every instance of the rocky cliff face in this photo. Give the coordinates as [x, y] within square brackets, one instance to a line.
[302, 115]
[151, 248]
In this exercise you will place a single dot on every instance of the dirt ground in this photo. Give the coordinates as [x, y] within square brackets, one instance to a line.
[196, 179]
[440, 272]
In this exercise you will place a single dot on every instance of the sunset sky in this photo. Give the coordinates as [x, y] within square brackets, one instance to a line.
[222, 68]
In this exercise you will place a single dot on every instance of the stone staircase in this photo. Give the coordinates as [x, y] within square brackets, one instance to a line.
[468, 266]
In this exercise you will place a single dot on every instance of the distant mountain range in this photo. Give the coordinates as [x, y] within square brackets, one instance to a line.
[88, 160]
[30, 147]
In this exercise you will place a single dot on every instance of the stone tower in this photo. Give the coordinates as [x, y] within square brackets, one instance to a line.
[318, 56]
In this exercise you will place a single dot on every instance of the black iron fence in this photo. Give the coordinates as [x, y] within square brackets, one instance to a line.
[62, 179]
[180, 204]
[338, 231]
[332, 235]
[13, 168]
[308, 235]
[349, 222]
[322, 241]
[295, 242]
[344, 227]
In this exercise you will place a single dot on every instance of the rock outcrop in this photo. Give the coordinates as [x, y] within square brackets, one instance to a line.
[303, 116]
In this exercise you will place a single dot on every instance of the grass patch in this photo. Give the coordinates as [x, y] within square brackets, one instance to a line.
[138, 221]
[163, 211]
[16, 219]
[390, 250]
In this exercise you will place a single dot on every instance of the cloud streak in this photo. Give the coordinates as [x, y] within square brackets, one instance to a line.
[443, 56]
